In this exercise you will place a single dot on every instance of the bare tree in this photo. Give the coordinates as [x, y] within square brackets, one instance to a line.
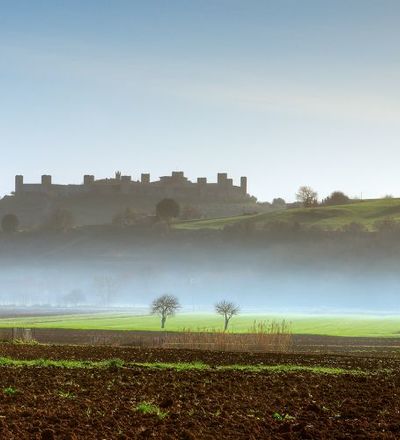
[307, 196]
[227, 309]
[164, 306]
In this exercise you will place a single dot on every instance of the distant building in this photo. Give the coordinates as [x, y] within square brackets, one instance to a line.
[175, 186]
[98, 201]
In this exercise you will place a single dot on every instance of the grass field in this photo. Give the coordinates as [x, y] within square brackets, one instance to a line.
[356, 325]
[329, 218]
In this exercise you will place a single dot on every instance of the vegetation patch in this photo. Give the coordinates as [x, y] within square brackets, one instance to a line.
[149, 408]
[178, 366]
[66, 394]
[365, 213]
[69, 364]
[333, 325]
[10, 391]
[288, 368]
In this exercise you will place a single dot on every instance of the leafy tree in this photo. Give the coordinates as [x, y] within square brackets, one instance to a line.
[307, 196]
[227, 309]
[167, 209]
[9, 223]
[336, 198]
[164, 306]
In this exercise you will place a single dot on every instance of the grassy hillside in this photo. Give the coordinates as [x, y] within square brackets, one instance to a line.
[356, 325]
[366, 212]
[213, 223]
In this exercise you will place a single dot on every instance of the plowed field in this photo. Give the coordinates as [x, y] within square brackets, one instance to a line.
[328, 397]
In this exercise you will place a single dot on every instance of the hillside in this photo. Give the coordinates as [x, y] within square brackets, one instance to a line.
[328, 218]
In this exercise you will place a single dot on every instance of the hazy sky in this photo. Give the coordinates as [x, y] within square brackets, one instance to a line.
[285, 92]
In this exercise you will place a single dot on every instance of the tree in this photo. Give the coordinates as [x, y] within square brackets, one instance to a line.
[167, 209]
[164, 306]
[307, 196]
[9, 223]
[227, 309]
[278, 203]
[336, 198]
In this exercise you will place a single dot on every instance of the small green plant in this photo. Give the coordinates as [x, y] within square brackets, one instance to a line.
[66, 394]
[10, 391]
[20, 341]
[281, 417]
[149, 408]
[278, 417]
[115, 363]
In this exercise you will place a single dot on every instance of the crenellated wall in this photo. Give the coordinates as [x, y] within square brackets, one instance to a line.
[176, 185]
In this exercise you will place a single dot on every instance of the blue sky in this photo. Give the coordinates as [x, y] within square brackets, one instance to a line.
[285, 92]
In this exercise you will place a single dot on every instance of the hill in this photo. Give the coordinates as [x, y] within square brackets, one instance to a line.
[366, 212]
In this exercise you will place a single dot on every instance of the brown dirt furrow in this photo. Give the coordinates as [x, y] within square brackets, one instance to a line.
[130, 354]
[54, 403]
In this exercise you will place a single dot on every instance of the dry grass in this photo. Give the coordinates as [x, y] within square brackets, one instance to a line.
[262, 337]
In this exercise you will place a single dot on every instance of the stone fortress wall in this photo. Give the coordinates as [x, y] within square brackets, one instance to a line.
[174, 186]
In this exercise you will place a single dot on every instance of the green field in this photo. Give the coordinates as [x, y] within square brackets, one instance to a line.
[329, 218]
[356, 325]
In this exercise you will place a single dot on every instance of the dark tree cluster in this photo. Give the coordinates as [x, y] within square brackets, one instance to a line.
[336, 198]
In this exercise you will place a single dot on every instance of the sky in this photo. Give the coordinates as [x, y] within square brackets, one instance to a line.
[286, 92]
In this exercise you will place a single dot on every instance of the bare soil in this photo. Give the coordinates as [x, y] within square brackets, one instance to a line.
[57, 403]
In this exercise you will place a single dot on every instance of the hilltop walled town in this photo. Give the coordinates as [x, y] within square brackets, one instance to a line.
[98, 201]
